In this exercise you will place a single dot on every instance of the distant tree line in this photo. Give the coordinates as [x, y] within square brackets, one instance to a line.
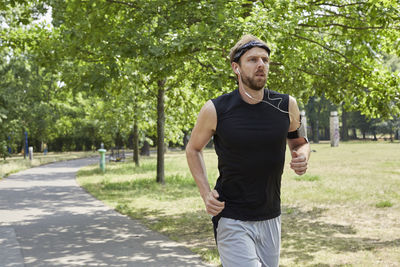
[353, 125]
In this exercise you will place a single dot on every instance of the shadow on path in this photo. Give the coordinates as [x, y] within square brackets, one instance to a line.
[58, 223]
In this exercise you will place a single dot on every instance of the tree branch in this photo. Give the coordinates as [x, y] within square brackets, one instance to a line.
[340, 25]
[313, 73]
[334, 15]
[336, 5]
[302, 70]
[329, 49]
[206, 65]
[130, 4]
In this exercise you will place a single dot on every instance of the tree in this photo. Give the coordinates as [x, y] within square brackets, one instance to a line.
[176, 52]
[335, 43]
[165, 35]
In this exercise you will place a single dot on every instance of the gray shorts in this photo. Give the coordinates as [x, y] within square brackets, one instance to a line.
[249, 243]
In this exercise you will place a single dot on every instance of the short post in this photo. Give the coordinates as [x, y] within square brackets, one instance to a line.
[30, 153]
[334, 129]
[102, 159]
[45, 150]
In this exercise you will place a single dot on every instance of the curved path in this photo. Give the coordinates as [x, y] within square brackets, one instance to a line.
[46, 219]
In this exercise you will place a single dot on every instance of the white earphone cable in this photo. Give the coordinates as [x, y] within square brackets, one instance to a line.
[262, 100]
[276, 107]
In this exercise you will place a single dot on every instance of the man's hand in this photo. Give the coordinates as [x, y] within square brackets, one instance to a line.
[298, 163]
[213, 205]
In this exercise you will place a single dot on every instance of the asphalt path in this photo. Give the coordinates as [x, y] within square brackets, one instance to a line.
[47, 219]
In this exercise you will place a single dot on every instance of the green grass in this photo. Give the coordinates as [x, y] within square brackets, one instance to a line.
[307, 177]
[384, 204]
[344, 212]
[18, 163]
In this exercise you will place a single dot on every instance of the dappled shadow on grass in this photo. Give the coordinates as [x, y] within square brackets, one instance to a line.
[176, 187]
[303, 235]
[193, 229]
[90, 172]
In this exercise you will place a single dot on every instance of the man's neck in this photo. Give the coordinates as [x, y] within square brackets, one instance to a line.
[249, 95]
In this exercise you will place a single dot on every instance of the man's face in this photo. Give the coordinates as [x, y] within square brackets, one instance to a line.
[254, 65]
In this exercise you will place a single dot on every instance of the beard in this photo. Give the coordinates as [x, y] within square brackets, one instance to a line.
[254, 83]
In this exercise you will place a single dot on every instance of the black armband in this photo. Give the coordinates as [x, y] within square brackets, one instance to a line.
[300, 132]
[293, 135]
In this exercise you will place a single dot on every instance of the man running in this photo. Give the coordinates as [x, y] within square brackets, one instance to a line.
[251, 127]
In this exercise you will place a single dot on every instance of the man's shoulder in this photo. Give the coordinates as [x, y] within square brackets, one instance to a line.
[225, 102]
[276, 94]
[224, 97]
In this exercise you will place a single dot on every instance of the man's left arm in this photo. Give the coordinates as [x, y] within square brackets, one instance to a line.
[298, 145]
[300, 151]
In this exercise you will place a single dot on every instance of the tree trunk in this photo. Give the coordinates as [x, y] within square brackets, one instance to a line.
[315, 128]
[145, 150]
[160, 132]
[327, 133]
[135, 142]
[185, 140]
[354, 133]
[345, 130]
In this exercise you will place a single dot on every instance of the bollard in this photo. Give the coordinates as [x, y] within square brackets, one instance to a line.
[102, 159]
[334, 128]
[31, 153]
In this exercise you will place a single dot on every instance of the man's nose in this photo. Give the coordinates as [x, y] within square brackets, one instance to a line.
[260, 63]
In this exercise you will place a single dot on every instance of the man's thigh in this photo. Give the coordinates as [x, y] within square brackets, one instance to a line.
[269, 241]
[252, 244]
[235, 246]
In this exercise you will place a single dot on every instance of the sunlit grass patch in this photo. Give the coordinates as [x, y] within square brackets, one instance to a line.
[384, 204]
[307, 177]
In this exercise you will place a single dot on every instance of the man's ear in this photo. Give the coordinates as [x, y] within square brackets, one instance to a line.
[235, 68]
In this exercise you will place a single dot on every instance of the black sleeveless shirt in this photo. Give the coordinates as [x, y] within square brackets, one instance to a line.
[250, 141]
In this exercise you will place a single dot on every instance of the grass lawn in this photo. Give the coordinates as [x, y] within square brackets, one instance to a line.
[18, 163]
[344, 212]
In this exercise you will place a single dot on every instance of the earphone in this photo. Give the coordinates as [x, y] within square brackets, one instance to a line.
[262, 100]
[277, 107]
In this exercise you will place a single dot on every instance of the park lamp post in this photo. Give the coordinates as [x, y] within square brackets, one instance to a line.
[102, 159]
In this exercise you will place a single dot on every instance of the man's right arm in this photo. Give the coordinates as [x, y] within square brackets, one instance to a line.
[201, 135]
